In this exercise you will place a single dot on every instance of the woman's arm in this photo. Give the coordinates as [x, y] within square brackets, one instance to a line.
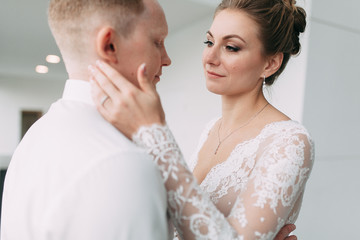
[192, 211]
[275, 184]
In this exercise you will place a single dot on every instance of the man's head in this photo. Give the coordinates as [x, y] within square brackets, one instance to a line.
[123, 33]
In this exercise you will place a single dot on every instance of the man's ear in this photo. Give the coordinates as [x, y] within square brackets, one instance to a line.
[273, 64]
[105, 44]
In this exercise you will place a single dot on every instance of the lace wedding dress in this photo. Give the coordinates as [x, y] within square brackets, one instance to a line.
[251, 195]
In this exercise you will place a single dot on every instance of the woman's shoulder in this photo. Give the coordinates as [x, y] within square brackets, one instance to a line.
[289, 132]
[291, 138]
[210, 124]
[286, 127]
[277, 123]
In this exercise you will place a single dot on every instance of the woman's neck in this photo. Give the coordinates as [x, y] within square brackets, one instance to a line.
[237, 110]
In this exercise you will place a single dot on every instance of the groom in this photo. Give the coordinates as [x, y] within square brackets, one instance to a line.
[74, 176]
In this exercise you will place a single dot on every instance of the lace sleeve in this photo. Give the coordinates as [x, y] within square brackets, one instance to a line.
[276, 184]
[259, 211]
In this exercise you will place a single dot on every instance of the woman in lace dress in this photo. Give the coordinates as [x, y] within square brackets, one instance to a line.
[248, 175]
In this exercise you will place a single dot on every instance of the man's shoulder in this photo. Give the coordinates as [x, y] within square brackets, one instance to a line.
[81, 122]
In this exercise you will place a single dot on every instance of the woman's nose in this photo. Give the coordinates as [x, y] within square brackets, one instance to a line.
[211, 56]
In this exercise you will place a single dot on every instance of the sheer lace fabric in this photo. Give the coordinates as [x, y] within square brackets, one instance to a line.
[251, 195]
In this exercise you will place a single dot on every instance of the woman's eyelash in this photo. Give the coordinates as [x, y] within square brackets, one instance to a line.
[209, 43]
[228, 47]
[232, 49]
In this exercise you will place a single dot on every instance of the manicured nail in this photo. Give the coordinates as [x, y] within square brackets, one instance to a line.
[91, 68]
[143, 68]
[99, 63]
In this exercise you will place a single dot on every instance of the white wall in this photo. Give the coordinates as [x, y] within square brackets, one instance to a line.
[332, 114]
[19, 93]
[330, 209]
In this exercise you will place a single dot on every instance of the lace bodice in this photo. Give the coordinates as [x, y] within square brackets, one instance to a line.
[251, 195]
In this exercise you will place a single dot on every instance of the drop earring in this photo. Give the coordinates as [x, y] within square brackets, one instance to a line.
[264, 82]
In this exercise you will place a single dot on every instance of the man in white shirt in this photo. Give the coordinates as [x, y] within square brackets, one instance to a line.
[74, 176]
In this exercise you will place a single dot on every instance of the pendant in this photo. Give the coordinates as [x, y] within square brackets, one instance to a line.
[217, 148]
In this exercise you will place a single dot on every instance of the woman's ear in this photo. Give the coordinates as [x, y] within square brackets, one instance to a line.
[273, 64]
[105, 45]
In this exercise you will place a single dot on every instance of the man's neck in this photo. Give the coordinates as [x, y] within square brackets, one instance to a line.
[77, 69]
[80, 76]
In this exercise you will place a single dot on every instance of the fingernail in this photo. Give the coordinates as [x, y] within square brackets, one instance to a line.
[143, 68]
[99, 63]
[91, 68]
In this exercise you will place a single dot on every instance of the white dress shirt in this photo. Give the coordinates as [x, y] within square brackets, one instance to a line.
[74, 176]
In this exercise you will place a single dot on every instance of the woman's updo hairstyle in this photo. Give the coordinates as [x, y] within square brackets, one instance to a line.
[280, 24]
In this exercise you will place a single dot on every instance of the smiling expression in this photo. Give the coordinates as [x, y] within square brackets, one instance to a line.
[233, 59]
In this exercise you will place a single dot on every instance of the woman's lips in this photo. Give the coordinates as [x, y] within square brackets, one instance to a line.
[214, 75]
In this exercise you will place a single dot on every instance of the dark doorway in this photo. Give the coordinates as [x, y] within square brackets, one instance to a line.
[28, 118]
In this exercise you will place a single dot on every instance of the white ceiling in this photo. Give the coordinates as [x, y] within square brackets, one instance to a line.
[26, 40]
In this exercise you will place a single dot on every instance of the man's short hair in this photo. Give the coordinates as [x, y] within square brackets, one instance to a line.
[69, 19]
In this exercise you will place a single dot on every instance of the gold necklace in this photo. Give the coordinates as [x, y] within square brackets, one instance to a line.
[246, 123]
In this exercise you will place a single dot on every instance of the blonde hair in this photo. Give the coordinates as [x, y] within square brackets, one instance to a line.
[69, 20]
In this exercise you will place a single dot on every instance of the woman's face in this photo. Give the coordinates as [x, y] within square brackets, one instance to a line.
[233, 60]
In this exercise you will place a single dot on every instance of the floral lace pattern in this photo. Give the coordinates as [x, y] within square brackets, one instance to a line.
[251, 195]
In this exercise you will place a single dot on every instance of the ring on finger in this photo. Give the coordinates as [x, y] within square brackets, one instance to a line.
[103, 99]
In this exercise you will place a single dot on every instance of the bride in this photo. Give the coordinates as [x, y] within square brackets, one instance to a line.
[248, 176]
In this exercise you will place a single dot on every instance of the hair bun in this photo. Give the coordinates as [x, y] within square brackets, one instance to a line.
[298, 13]
[290, 4]
[299, 27]
[299, 19]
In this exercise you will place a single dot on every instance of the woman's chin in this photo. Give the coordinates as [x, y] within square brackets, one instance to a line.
[214, 88]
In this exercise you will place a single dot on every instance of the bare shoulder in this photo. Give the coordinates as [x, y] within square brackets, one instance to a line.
[275, 120]
[284, 132]
[272, 114]
[277, 114]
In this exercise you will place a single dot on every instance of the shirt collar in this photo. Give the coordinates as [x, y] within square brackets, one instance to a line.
[78, 90]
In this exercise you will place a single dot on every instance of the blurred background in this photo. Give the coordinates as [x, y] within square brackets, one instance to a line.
[319, 88]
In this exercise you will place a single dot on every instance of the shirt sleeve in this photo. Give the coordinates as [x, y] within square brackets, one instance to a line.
[276, 182]
[119, 198]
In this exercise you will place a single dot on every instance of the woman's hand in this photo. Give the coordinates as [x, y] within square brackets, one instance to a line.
[284, 232]
[121, 103]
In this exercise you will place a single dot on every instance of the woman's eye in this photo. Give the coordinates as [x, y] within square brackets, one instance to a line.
[232, 49]
[208, 43]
